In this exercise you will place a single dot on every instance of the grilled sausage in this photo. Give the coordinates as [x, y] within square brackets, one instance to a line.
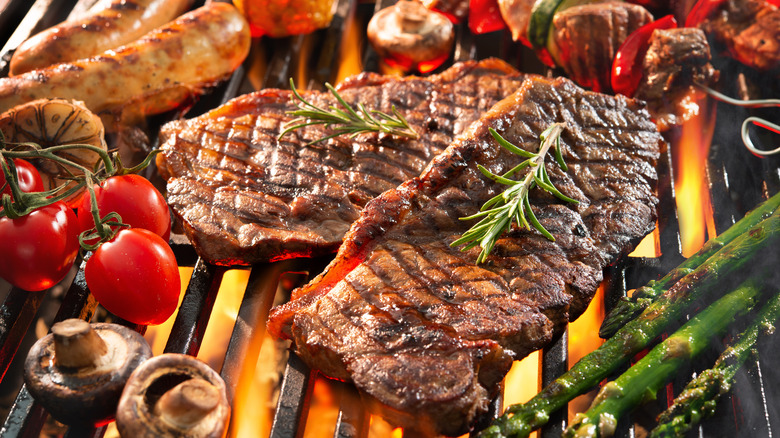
[116, 23]
[151, 75]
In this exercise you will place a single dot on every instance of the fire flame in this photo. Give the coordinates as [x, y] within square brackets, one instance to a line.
[350, 61]
[689, 155]
[584, 338]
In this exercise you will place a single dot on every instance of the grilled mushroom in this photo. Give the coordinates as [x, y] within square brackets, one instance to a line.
[173, 395]
[409, 36]
[78, 371]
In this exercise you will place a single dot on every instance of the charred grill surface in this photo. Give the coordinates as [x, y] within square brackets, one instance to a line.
[415, 324]
[245, 196]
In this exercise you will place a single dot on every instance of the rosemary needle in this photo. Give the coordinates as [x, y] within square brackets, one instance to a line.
[513, 205]
[344, 119]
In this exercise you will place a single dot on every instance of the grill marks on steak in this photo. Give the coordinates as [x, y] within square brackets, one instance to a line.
[244, 196]
[421, 330]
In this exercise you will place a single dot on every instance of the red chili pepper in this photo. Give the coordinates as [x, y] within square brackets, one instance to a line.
[702, 10]
[485, 16]
[627, 65]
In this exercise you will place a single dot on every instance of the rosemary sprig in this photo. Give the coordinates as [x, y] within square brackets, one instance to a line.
[513, 204]
[345, 120]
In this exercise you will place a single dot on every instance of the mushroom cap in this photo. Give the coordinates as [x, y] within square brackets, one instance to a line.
[411, 35]
[87, 395]
[136, 414]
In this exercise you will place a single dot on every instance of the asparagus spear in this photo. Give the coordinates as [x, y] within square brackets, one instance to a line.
[628, 309]
[519, 420]
[645, 378]
[698, 399]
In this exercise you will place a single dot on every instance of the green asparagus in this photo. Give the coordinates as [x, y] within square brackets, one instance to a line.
[697, 400]
[645, 378]
[628, 309]
[700, 284]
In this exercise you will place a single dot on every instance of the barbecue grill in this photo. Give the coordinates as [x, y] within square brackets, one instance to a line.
[737, 181]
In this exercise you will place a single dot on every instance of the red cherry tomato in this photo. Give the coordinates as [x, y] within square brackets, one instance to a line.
[27, 175]
[134, 198]
[627, 65]
[774, 2]
[135, 276]
[485, 16]
[37, 250]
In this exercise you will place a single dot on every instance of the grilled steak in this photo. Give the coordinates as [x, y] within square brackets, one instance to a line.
[244, 196]
[423, 332]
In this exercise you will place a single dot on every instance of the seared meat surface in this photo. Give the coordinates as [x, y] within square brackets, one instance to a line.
[423, 332]
[588, 36]
[675, 60]
[749, 30]
[245, 196]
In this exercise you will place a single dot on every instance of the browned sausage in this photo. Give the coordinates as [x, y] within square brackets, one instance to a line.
[114, 24]
[151, 75]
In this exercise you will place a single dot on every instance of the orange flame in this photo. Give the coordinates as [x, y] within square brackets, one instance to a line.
[690, 152]
[350, 62]
[584, 338]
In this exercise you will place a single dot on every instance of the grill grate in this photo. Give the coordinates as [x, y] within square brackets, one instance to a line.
[737, 182]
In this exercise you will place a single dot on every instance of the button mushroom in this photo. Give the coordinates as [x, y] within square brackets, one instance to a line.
[173, 395]
[78, 371]
[409, 36]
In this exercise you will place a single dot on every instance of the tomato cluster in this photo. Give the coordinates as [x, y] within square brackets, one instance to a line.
[133, 274]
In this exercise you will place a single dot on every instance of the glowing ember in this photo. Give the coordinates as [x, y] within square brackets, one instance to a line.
[690, 154]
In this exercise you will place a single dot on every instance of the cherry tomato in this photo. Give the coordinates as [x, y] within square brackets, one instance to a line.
[485, 16]
[134, 198]
[135, 276]
[27, 175]
[774, 2]
[37, 250]
[627, 65]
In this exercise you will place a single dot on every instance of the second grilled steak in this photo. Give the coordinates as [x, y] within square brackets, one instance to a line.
[422, 331]
[245, 196]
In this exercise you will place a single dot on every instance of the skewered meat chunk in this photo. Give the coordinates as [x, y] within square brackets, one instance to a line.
[675, 60]
[423, 332]
[750, 31]
[586, 38]
[245, 196]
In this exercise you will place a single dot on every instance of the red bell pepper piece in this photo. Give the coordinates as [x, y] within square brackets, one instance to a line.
[485, 16]
[627, 65]
[702, 10]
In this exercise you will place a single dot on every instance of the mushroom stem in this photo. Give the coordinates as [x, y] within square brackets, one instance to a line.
[76, 344]
[411, 15]
[188, 402]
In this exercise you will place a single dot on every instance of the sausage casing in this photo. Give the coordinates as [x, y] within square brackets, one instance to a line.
[108, 26]
[150, 75]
